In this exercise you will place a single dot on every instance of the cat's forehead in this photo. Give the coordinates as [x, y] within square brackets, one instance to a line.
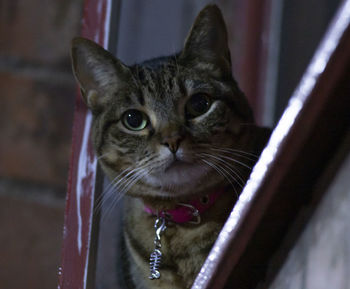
[158, 74]
[160, 85]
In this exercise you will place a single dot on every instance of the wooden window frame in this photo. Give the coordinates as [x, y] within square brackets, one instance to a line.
[80, 230]
[280, 185]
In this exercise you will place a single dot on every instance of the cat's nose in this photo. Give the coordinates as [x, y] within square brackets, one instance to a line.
[172, 143]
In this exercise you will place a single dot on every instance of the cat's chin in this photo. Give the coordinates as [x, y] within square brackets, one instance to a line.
[179, 178]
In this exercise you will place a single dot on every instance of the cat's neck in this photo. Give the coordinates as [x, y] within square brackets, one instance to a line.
[190, 211]
[164, 204]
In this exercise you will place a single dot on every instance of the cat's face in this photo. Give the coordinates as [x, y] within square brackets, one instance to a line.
[163, 123]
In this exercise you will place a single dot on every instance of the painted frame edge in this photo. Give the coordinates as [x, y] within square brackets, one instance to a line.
[82, 182]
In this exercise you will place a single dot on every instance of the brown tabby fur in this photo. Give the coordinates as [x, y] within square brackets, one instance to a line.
[160, 88]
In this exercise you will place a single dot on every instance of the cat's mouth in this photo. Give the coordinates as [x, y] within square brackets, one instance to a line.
[178, 175]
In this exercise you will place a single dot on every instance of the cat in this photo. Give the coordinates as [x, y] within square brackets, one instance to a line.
[170, 133]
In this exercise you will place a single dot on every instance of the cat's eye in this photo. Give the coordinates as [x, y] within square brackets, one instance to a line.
[197, 105]
[134, 120]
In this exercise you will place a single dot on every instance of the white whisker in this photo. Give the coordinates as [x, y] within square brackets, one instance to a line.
[120, 191]
[100, 200]
[114, 184]
[225, 175]
[228, 166]
[234, 160]
[101, 156]
[240, 152]
[123, 185]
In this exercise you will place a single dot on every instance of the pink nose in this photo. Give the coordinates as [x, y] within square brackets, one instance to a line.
[172, 143]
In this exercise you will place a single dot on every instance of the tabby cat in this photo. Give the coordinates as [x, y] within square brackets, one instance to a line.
[169, 131]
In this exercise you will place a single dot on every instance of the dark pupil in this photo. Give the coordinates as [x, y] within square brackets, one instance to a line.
[199, 103]
[134, 118]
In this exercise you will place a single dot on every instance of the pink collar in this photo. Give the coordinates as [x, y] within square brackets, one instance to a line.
[189, 212]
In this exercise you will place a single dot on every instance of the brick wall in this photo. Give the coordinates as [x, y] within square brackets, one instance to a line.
[36, 103]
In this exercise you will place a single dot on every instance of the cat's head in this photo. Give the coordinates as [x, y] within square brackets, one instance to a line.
[171, 123]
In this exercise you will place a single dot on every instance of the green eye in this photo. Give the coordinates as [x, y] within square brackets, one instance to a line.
[197, 105]
[134, 120]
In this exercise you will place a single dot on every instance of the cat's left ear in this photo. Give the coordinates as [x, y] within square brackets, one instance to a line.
[207, 40]
[97, 71]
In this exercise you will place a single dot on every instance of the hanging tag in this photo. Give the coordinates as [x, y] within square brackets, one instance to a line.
[156, 255]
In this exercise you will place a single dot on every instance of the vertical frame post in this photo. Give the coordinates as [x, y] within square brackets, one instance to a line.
[77, 259]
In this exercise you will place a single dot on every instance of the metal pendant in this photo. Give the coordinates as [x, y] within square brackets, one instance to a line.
[156, 255]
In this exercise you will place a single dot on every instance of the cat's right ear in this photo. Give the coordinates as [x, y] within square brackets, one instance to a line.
[97, 72]
[207, 40]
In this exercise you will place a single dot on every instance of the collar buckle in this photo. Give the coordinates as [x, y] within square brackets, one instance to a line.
[195, 213]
